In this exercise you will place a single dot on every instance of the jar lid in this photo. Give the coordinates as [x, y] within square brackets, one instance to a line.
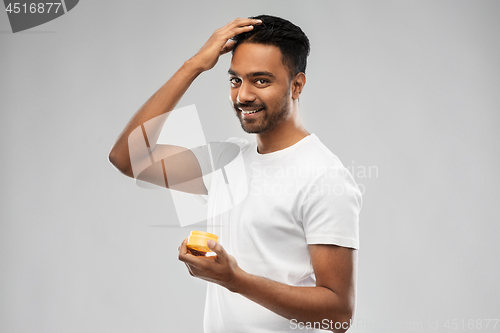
[204, 233]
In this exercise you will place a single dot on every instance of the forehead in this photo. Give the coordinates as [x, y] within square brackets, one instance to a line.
[251, 58]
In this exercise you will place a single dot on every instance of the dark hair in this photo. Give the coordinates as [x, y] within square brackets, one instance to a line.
[291, 40]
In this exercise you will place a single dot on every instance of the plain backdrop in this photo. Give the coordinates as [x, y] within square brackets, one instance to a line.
[406, 93]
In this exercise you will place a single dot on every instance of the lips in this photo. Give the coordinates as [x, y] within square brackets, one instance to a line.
[250, 113]
[246, 112]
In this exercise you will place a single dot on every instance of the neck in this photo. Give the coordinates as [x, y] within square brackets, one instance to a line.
[286, 135]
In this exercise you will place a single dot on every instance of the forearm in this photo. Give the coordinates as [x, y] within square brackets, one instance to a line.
[305, 304]
[332, 301]
[167, 97]
[160, 103]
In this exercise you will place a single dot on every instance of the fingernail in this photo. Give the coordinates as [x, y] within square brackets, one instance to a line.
[211, 243]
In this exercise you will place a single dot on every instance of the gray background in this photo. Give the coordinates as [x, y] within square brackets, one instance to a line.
[410, 88]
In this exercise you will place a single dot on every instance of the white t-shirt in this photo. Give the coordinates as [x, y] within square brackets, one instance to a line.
[281, 202]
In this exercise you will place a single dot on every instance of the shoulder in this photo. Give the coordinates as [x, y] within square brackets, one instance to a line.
[326, 173]
[316, 155]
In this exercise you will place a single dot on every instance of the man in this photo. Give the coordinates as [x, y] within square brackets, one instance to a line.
[287, 258]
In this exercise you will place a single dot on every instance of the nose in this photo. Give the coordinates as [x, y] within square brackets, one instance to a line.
[245, 94]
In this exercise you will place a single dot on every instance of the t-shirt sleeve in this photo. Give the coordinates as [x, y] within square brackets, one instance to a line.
[330, 213]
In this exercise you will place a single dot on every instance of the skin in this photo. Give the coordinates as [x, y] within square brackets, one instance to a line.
[332, 298]
[258, 80]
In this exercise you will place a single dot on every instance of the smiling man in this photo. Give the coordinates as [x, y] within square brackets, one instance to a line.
[286, 260]
[254, 90]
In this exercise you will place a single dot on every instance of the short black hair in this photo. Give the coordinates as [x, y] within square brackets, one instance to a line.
[291, 40]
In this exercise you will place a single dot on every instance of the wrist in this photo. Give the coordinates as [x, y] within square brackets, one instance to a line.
[193, 66]
[238, 282]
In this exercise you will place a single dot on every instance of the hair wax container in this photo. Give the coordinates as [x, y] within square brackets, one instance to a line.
[197, 242]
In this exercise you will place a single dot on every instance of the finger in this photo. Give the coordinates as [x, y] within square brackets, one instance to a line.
[242, 29]
[186, 257]
[240, 22]
[189, 269]
[228, 47]
[233, 32]
[239, 26]
[183, 246]
[217, 248]
[183, 251]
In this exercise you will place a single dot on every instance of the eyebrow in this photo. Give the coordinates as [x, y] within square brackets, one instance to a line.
[254, 74]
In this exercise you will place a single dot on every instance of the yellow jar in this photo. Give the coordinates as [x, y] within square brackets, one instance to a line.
[197, 241]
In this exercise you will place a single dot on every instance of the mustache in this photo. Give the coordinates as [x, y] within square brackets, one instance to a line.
[249, 105]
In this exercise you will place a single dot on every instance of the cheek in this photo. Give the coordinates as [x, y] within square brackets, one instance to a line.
[273, 99]
[233, 93]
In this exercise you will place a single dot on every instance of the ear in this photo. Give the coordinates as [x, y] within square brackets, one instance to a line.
[298, 83]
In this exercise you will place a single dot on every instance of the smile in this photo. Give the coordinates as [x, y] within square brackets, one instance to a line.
[250, 111]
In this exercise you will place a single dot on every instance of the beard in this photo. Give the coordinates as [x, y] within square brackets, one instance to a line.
[267, 121]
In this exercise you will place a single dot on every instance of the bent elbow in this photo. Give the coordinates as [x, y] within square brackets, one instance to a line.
[342, 322]
[117, 162]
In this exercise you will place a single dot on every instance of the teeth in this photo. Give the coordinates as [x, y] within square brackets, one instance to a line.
[249, 112]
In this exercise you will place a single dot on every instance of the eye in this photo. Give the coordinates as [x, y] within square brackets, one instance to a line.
[234, 81]
[261, 81]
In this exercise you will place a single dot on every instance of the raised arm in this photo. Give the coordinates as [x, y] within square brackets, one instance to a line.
[167, 161]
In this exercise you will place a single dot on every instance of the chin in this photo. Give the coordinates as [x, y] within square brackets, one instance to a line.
[250, 130]
[255, 130]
